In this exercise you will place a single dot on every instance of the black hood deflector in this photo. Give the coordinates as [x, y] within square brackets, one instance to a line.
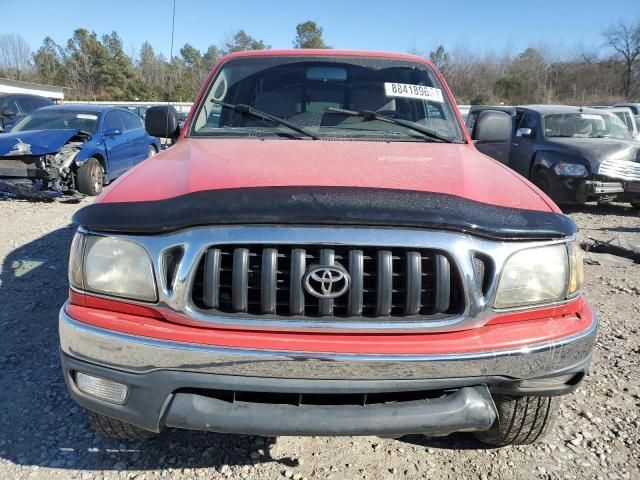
[325, 206]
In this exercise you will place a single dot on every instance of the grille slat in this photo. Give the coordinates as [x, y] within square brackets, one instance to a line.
[414, 283]
[298, 266]
[211, 280]
[385, 283]
[442, 292]
[268, 280]
[357, 278]
[240, 282]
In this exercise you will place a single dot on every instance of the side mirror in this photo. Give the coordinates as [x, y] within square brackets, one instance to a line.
[7, 113]
[524, 132]
[492, 126]
[162, 121]
[111, 132]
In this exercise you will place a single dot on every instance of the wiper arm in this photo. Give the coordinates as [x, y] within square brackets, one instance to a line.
[371, 115]
[249, 110]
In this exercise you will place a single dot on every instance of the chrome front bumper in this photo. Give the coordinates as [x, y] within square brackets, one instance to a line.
[140, 355]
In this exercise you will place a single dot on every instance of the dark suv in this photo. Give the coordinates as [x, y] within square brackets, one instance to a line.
[573, 154]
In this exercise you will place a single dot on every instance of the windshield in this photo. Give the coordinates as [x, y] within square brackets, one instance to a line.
[306, 91]
[584, 125]
[57, 119]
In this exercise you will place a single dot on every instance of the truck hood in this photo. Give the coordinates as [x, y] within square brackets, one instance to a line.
[195, 165]
[34, 142]
[597, 150]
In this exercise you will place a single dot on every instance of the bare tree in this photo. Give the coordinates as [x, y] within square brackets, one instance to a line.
[15, 54]
[624, 38]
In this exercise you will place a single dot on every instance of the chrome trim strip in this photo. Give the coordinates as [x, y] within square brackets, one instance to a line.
[140, 354]
[459, 247]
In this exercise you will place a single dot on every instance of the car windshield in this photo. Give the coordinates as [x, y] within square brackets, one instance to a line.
[58, 119]
[308, 92]
[584, 125]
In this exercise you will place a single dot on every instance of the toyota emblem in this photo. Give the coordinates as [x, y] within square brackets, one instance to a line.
[326, 282]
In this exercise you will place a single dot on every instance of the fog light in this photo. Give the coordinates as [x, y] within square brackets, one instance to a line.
[101, 388]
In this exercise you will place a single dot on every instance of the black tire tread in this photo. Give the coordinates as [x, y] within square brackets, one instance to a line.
[114, 428]
[541, 179]
[521, 420]
[83, 177]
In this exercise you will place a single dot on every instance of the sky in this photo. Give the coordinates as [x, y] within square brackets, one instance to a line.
[482, 26]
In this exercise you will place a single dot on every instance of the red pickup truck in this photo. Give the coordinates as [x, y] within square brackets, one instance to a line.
[324, 252]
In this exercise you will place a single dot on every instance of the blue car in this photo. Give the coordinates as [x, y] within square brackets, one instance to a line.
[67, 148]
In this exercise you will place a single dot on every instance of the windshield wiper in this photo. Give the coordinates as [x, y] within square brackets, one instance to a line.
[371, 115]
[249, 110]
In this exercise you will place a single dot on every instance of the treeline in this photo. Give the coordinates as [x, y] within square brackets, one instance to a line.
[97, 68]
[93, 67]
[540, 74]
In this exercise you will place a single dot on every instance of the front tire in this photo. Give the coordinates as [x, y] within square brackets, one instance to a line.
[542, 179]
[114, 428]
[90, 177]
[152, 151]
[521, 420]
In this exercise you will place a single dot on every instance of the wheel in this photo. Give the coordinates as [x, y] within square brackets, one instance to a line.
[90, 177]
[521, 420]
[542, 180]
[113, 428]
[152, 151]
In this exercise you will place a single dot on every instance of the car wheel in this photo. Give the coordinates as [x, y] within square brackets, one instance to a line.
[152, 151]
[114, 428]
[542, 180]
[521, 420]
[90, 177]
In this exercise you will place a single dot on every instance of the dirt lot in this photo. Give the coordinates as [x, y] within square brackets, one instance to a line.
[43, 434]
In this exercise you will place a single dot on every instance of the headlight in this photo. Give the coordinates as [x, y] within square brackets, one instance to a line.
[540, 275]
[570, 170]
[111, 266]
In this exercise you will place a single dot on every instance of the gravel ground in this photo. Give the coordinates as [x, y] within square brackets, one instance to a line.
[43, 434]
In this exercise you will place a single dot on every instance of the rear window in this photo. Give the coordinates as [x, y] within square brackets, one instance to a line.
[27, 104]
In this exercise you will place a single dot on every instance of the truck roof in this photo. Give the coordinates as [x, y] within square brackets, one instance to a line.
[325, 52]
[547, 109]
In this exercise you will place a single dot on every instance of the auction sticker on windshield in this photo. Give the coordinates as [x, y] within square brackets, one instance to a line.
[406, 90]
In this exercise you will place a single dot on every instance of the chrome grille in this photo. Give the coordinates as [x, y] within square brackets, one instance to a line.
[385, 282]
[620, 169]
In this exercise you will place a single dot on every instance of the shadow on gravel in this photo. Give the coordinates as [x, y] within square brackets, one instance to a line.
[40, 424]
[456, 441]
[619, 229]
[617, 209]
